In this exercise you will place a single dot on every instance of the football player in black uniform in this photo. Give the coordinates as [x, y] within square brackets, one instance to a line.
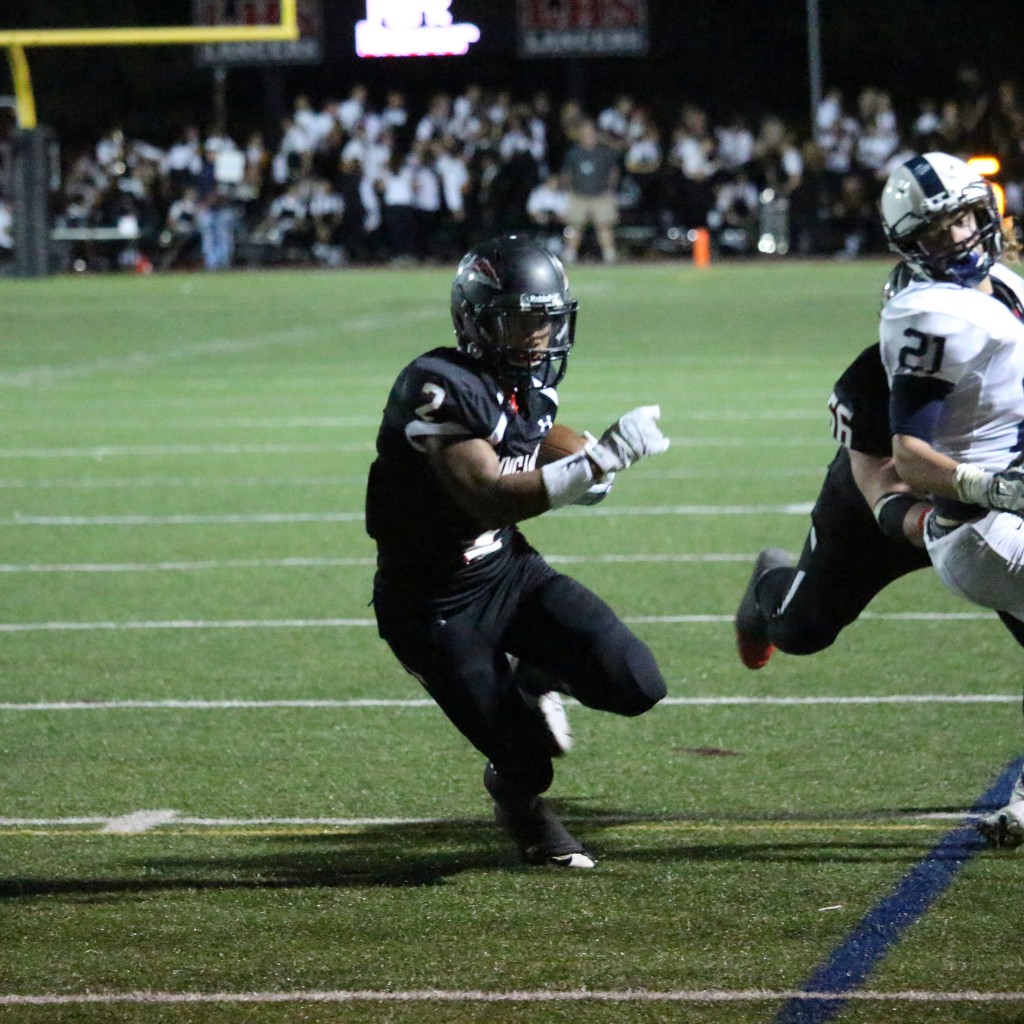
[850, 554]
[866, 528]
[464, 602]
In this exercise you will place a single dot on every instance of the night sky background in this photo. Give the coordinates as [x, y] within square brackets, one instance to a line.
[731, 56]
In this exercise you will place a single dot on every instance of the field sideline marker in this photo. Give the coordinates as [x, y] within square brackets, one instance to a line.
[849, 965]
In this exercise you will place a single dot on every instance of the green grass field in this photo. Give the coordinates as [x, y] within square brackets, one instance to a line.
[222, 800]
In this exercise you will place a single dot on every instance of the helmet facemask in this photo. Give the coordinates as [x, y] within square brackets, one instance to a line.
[965, 262]
[527, 350]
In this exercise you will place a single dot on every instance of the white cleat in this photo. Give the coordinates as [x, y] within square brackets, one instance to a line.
[572, 860]
[1005, 828]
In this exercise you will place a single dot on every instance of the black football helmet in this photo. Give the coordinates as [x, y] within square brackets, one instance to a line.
[513, 310]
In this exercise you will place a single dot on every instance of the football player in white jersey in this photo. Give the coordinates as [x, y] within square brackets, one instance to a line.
[953, 348]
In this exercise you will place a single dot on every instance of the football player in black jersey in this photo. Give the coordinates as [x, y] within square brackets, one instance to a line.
[866, 528]
[850, 554]
[464, 602]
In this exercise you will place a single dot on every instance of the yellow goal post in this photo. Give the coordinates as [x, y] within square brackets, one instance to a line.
[15, 41]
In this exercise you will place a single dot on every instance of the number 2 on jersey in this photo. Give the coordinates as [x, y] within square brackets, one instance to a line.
[435, 396]
[926, 356]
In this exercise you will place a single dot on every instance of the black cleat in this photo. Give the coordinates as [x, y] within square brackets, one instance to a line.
[755, 649]
[541, 837]
[534, 827]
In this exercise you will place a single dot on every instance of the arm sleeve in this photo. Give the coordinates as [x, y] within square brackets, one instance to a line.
[916, 404]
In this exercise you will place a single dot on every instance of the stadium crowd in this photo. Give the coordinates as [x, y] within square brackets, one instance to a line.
[358, 181]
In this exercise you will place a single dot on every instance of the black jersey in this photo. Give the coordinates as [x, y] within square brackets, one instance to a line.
[859, 405]
[859, 409]
[424, 540]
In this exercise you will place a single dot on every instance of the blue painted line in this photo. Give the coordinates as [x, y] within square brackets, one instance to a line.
[880, 929]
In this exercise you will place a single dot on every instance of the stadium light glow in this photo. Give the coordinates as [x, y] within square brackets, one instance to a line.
[986, 166]
[413, 28]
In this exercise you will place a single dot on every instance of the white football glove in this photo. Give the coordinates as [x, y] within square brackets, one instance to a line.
[598, 492]
[633, 437]
[1003, 491]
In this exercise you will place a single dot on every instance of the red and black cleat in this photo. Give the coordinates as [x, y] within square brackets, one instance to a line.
[752, 643]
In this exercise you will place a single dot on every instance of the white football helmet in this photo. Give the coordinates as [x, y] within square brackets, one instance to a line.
[929, 192]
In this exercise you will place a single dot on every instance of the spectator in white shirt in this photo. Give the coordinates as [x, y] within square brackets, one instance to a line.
[6, 228]
[350, 111]
[395, 115]
[613, 122]
[434, 122]
[397, 188]
[427, 201]
[182, 162]
[546, 206]
[454, 173]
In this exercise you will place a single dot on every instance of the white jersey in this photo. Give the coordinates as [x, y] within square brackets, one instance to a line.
[972, 341]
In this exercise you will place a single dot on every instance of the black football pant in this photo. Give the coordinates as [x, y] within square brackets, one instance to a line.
[846, 561]
[553, 624]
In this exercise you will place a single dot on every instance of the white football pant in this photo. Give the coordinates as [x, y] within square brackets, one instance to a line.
[983, 561]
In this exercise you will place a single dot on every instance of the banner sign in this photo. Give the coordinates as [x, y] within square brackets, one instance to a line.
[307, 49]
[582, 28]
[413, 28]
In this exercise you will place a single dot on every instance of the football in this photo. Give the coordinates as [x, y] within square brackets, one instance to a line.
[560, 442]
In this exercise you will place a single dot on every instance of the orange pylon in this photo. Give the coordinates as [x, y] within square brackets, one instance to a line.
[701, 247]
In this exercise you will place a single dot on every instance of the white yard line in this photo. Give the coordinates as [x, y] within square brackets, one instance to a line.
[187, 519]
[642, 620]
[426, 702]
[222, 482]
[141, 822]
[143, 359]
[109, 451]
[173, 482]
[227, 448]
[329, 563]
[256, 518]
[61, 627]
[633, 995]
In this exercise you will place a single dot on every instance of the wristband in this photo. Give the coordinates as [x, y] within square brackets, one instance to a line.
[925, 512]
[601, 456]
[972, 484]
[890, 511]
[568, 479]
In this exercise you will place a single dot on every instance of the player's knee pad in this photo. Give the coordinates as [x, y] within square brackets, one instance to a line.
[638, 682]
